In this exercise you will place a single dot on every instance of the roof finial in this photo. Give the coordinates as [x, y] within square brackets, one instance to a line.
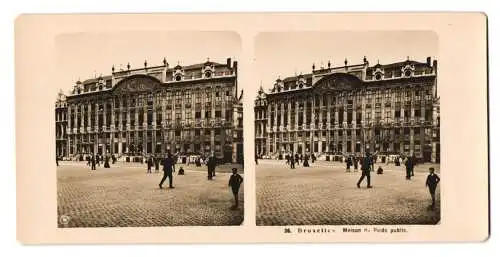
[145, 63]
[128, 66]
[314, 66]
[208, 59]
[329, 64]
[113, 69]
[164, 61]
[364, 59]
[407, 58]
[345, 61]
[378, 61]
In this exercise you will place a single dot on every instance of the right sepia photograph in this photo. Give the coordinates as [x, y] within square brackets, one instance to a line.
[347, 128]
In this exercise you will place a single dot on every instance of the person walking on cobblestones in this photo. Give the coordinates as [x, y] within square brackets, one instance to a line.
[150, 164]
[432, 182]
[365, 168]
[235, 182]
[409, 167]
[348, 163]
[306, 161]
[92, 161]
[106, 162]
[211, 167]
[355, 162]
[414, 162]
[292, 162]
[157, 164]
[98, 160]
[168, 170]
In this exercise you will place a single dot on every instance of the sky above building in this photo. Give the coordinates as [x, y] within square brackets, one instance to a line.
[82, 56]
[284, 54]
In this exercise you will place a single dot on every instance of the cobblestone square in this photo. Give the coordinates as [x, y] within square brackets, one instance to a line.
[325, 194]
[126, 196]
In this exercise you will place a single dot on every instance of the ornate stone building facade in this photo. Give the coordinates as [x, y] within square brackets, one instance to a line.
[194, 109]
[61, 123]
[351, 109]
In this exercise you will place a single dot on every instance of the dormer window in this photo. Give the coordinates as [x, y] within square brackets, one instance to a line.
[408, 73]
[178, 78]
[301, 85]
[208, 74]
[378, 76]
[100, 86]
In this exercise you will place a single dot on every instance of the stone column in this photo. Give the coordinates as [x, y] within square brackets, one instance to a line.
[282, 114]
[296, 117]
[289, 114]
[153, 133]
[89, 112]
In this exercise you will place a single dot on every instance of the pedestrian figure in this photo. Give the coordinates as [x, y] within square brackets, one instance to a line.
[106, 162]
[235, 182]
[88, 160]
[256, 160]
[365, 168]
[374, 160]
[157, 164]
[297, 158]
[168, 169]
[57, 161]
[93, 159]
[292, 162]
[211, 167]
[306, 161]
[432, 182]
[409, 167]
[348, 163]
[313, 158]
[113, 158]
[98, 160]
[181, 171]
[380, 170]
[150, 164]
[414, 162]
[355, 162]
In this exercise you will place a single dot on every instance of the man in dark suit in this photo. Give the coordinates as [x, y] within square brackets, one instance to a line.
[211, 167]
[92, 161]
[366, 166]
[409, 167]
[168, 169]
[432, 182]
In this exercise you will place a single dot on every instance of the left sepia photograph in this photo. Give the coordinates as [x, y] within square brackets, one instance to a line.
[149, 129]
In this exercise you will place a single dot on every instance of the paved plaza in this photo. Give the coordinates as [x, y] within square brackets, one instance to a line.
[126, 196]
[324, 194]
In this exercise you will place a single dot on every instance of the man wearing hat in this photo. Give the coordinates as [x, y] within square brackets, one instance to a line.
[168, 169]
[366, 166]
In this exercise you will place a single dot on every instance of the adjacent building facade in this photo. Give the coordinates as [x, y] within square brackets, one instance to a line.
[61, 124]
[194, 109]
[351, 109]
